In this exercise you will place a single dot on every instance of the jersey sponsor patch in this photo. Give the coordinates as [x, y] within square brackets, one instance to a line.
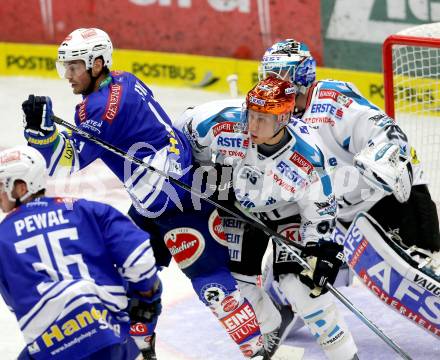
[213, 294]
[335, 96]
[291, 232]
[323, 108]
[282, 182]
[185, 244]
[215, 226]
[229, 303]
[301, 162]
[236, 142]
[226, 126]
[234, 234]
[291, 174]
[319, 120]
[81, 111]
[113, 103]
[138, 329]
[242, 324]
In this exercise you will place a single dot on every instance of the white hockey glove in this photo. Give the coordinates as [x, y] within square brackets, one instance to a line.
[384, 168]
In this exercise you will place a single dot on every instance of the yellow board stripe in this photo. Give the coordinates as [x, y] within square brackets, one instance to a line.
[176, 70]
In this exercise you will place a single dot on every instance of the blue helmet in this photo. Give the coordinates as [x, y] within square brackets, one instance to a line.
[289, 60]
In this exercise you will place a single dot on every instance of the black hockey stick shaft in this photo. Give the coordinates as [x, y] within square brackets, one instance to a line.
[279, 239]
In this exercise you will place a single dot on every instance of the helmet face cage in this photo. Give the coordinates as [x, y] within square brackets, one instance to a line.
[22, 163]
[85, 45]
[272, 96]
[289, 60]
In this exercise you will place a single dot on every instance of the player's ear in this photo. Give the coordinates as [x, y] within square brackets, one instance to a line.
[98, 66]
[20, 189]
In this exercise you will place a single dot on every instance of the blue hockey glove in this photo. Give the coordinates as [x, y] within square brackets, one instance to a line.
[325, 259]
[37, 115]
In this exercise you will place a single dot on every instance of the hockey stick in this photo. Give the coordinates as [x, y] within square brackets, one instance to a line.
[282, 241]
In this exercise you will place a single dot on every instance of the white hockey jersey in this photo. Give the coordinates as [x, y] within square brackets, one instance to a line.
[347, 123]
[288, 183]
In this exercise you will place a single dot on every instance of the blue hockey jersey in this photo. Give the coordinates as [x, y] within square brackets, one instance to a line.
[65, 267]
[124, 113]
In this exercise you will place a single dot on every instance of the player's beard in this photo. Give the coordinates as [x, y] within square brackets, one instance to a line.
[91, 87]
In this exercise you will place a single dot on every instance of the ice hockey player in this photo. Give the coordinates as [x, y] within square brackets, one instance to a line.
[278, 178]
[70, 267]
[120, 109]
[366, 146]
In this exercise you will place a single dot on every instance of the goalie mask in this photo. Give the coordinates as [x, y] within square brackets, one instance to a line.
[86, 45]
[22, 163]
[289, 60]
[273, 97]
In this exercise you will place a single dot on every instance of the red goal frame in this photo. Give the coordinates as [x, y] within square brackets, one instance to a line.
[387, 58]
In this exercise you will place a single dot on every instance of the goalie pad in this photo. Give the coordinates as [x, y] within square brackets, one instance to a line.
[384, 168]
[394, 276]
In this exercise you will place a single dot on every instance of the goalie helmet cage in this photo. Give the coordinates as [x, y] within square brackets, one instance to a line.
[411, 62]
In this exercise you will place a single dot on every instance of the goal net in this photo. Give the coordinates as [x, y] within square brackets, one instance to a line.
[411, 61]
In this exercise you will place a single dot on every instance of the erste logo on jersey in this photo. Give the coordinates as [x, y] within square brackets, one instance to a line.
[301, 162]
[335, 96]
[328, 109]
[238, 142]
[233, 146]
[113, 103]
[291, 174]
[185, 244]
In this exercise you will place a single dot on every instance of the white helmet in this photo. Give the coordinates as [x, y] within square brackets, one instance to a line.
[86, 45]
[22, 163]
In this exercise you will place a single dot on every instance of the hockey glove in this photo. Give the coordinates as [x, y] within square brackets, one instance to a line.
[146, 306]
[144, 309]
[37, 115]
[324, 258]
[384, 168]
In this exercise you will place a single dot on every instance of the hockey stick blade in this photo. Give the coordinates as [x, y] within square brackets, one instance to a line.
[280, 240]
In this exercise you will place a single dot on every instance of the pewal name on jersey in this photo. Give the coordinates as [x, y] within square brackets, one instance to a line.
[40, 221]
[396, 283]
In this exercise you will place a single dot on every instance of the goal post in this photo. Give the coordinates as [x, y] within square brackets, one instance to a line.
[411, 64]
